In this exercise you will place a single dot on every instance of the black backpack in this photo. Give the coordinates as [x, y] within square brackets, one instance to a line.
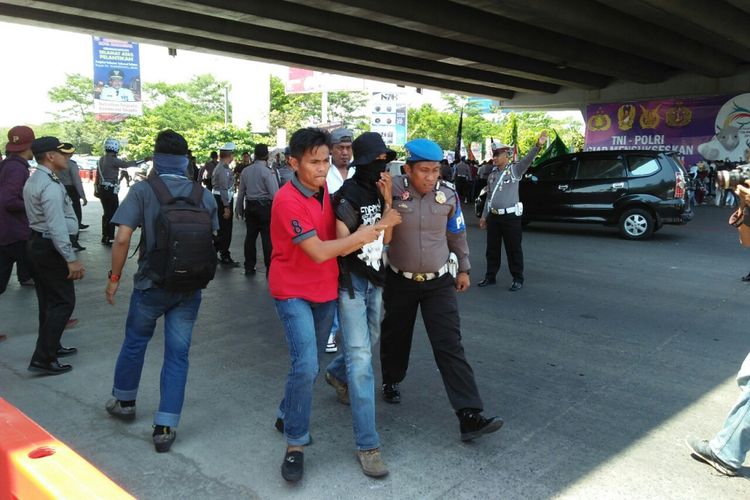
[184, 258]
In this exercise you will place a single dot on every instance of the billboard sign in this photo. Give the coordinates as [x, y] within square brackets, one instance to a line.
[117, 79]
[704, 128]
[388, 117]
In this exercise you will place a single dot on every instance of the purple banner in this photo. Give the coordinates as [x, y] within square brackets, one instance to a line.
[703, 128]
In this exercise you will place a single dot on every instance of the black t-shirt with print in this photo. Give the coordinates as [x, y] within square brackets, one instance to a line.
[356, 203]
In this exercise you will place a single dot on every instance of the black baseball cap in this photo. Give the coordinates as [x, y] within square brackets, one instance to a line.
[368, 146]
[45, 144]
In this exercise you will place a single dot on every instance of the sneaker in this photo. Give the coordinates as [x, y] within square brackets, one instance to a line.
[474, 425]
[114, 407]
[701, 451]
[391, 394]
[342, 390]
[163, 438]
[372, 463]
[293, 466]
[331, 344]
[28, 282]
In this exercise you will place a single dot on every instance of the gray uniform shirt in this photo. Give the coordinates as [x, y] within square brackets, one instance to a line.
[431, 227]
[50, 210]
[257, 182]
[484, 171]
[71, 177]
[223, 183]
[463, 170]
[110, 165]
[506, 194]
[140, 208]
[285, 173]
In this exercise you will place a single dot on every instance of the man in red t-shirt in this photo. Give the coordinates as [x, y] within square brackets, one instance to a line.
[303, 280]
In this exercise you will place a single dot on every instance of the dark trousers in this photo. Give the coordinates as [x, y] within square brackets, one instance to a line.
[9, 254]
[437, 299]
[55, 293]
[73, 194]
[462, 185]
[224, 234]
[110, 202]
[478, 186]
[258, 221]
[504, 229]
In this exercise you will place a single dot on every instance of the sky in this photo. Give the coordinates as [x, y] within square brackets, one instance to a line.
[44, 56]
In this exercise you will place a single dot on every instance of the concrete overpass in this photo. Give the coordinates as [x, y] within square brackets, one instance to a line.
[526, 53]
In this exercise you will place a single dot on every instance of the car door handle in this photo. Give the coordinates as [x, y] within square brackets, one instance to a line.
[562, 187]
[618, 185]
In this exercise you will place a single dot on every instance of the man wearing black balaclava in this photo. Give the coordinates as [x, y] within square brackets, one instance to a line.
[365, 199]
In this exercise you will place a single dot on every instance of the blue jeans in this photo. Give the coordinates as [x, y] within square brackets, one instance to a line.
[360, 330]
[732, 442]
[179, 311]
[306, 325]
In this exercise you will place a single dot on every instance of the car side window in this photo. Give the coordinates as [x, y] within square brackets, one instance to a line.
[642, 165]
[556, 171]
[601, 168]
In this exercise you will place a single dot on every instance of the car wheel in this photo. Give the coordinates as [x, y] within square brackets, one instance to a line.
[636, 224]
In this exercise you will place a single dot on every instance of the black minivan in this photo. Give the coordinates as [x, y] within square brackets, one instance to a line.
[636, 190]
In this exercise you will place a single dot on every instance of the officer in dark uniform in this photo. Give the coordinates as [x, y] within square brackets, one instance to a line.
[502, 212]
[420, 274]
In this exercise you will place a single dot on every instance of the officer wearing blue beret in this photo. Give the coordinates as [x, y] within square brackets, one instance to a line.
[428, 262]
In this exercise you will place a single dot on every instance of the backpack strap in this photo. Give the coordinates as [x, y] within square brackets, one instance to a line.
[160, 189]
[196, 195]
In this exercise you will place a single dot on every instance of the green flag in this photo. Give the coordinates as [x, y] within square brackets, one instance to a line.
[556, 148]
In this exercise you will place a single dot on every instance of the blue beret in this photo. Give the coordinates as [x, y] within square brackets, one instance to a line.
[423, 150]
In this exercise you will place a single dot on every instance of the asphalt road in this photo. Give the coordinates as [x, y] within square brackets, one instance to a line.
[609, 357]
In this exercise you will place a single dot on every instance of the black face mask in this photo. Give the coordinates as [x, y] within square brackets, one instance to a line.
[370, 173]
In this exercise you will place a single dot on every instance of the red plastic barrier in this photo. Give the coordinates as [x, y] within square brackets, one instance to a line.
[35, 465]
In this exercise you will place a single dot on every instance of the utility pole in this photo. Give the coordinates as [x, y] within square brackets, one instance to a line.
[226, 105]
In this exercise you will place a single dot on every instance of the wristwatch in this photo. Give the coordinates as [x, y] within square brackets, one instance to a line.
[114, 278]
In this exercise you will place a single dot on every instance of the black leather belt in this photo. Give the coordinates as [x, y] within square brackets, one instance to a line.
[259, 202]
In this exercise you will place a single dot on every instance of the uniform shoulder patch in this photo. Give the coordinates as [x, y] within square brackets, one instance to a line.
[447, 184]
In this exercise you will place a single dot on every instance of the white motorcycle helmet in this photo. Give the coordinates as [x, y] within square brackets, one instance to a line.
[112, 145]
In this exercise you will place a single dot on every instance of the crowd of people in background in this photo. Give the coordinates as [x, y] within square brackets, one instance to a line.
[350, 253]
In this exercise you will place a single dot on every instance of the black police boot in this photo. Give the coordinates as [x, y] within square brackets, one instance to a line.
[391, 394]
[474, 425]
[516, 286]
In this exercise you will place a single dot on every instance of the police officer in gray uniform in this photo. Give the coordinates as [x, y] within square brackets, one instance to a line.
[463, 179]
[54, 262]
[502, 212]
[222, 180]
[258, 186]
[420, 274]
[71, 179]
[283, 170]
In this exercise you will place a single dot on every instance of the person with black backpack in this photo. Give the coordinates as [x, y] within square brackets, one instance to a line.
[178, 218]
